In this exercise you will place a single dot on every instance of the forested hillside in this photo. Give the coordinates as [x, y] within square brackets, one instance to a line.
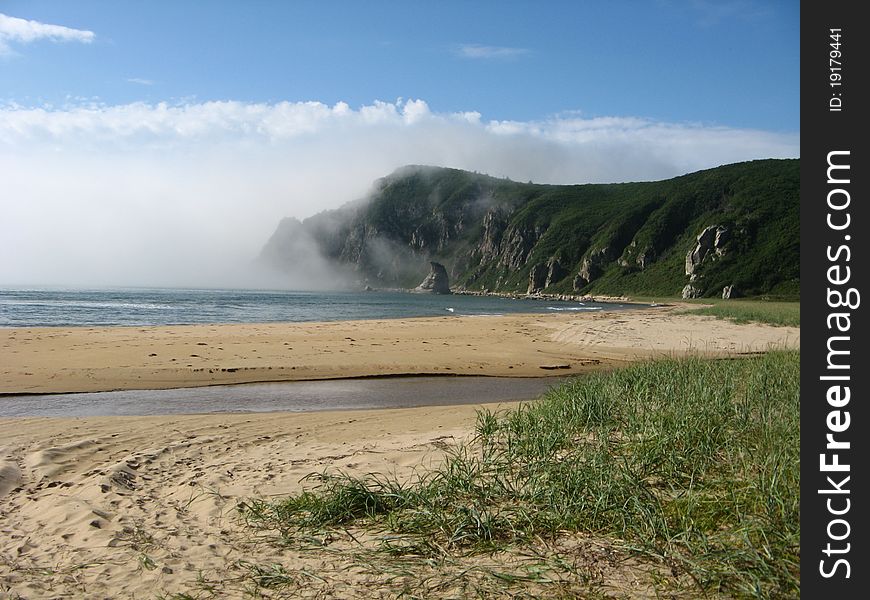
[731, 228]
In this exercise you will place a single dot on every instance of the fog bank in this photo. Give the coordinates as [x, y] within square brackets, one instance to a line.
[187, 195]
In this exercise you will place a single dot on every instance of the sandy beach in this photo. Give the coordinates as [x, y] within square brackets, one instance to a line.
[86, 359]
[85, 501]
[128, 507]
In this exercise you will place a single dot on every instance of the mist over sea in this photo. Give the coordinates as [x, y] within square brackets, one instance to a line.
[141, 306]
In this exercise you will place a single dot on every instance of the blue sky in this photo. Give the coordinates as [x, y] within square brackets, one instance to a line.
[161, 142]
[730, 63]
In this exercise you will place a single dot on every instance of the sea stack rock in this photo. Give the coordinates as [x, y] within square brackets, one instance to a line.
[436, 281]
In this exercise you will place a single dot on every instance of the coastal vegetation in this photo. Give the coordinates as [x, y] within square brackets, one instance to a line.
[733, 227]
[780, 314]
[689, 467]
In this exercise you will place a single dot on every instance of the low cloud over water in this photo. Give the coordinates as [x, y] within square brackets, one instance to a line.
[187, 194]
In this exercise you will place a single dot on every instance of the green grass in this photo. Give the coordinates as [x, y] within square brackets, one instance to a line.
[691, 464]
[754, 311]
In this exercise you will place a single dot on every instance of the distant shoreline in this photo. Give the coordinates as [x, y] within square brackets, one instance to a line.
[544, 296]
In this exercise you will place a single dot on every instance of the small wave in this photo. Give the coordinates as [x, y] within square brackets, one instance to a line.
[125, 305]
[145, 306]
[573, 308]
[88, 304]
[107, 304]
[448, 309]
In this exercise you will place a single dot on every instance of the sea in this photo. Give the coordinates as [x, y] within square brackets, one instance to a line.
[57, 307]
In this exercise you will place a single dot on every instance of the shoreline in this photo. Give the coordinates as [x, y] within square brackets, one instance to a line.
[91, 359]
[546, 296]
[125, 357]
[375, 376]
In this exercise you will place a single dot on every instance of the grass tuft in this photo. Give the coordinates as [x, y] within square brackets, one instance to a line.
[692, 463]
[779, 314]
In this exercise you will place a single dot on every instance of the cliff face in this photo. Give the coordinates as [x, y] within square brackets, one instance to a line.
[735, 225]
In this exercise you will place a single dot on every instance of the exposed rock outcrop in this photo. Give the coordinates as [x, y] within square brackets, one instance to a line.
[642, 259]
[516, 245]
[494, 223]
[645, 258]
[555, 272]
[690, 291]
[709, 242]
[436, 282]
[542, 276]
[594, 262]
[537, 278]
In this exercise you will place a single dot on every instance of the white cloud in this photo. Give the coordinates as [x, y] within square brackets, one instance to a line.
[187, 194]
[415, 110]
[140, 81]
[23, 31]
[489, 52]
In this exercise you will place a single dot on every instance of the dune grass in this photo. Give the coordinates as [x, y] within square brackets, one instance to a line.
[692, 464]
[753, 311]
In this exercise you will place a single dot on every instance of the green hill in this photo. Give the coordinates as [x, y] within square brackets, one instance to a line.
[735, 225]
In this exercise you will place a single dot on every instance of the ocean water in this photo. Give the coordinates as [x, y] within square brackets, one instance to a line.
[141, 306]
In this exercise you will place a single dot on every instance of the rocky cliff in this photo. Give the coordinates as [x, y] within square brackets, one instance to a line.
[732, 227]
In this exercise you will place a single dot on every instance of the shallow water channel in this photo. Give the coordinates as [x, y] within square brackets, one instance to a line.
[295, 396]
